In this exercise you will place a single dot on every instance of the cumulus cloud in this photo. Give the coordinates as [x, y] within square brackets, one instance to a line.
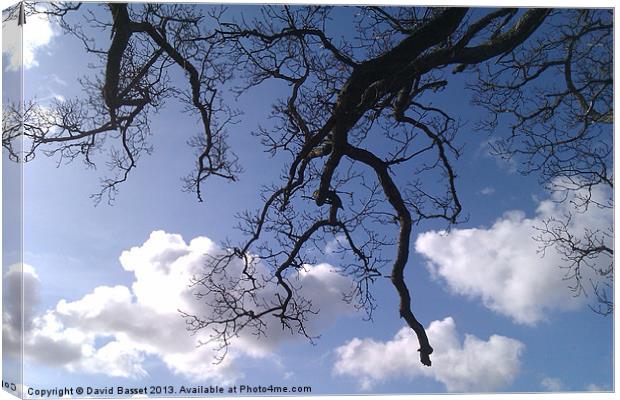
[114, 328]
[473, 365]
[502, 265]
[20, 291]
[37, 34]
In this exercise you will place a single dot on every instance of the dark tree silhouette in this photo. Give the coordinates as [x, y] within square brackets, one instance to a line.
[365, 142]
[557, 94]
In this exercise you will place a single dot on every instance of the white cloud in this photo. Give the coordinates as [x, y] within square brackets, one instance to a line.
[474, 365]
[37, 34]
[485, 150]
[487, 191]
[552, 384]
[14, 299]
[113, 329]
[502, 266]
[58, 80]
[593, 387]
[118, 358]
[338, 243]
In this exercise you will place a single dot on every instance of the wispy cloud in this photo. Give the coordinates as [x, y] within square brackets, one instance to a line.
[486, 191]
[593, 387]
[552, 384]
[508, 164]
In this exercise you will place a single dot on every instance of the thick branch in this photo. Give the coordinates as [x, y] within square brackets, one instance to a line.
[402, 254]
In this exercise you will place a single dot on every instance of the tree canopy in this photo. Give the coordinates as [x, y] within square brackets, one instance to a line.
[366, 145]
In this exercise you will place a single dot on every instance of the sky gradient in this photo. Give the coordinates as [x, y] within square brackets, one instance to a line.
[107, 281]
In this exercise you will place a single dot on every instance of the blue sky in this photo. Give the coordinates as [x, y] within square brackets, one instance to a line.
[506, 324]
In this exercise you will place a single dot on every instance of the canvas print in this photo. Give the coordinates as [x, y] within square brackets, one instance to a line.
[215, 200]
